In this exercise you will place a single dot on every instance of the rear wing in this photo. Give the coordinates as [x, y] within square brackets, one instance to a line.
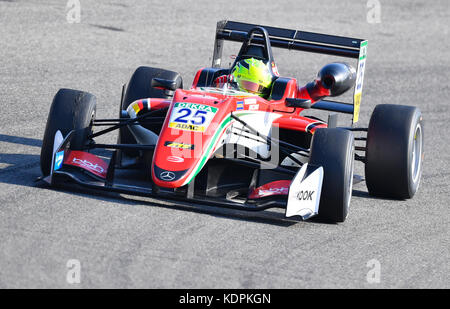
[302, 41]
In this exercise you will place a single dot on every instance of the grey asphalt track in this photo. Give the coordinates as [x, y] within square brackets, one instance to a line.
[132, 242]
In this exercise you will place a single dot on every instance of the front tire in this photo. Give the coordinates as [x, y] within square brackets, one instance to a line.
[333, 149]
[70, 110]
[394, 151]
[139, 87]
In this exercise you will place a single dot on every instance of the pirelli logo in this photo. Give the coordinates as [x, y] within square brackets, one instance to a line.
[178, 145]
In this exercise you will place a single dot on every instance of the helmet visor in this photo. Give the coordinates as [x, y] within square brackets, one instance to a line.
[251, 86]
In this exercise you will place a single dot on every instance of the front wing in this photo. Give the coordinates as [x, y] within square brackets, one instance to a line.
[90, 171]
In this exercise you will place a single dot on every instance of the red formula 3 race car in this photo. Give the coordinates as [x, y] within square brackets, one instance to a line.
[221, 145]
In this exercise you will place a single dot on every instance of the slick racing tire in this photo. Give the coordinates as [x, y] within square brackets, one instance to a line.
[333, 149]
[139, 87]
[394, 151]
[70, 110]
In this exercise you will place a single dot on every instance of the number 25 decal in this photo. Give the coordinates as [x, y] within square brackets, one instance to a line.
[198, 118]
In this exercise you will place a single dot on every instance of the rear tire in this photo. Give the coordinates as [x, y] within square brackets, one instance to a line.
[70, 110]
[333, 149]
[394, 151]
[140, 87]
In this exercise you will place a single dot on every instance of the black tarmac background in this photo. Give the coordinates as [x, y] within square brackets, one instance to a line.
[129, 242]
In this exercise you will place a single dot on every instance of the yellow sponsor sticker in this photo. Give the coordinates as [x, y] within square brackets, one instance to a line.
[178, 145]
[357, 103]
[187, 127]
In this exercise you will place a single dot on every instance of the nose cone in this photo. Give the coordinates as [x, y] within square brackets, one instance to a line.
[193, 129]
[167, 176]
[175, 157]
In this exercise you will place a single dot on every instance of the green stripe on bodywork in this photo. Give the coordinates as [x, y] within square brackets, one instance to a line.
[238, 114]
[214, 139]
[209, 149]
[363, 53]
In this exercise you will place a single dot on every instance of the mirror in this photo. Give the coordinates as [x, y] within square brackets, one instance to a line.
[164, 84]
[301, 103]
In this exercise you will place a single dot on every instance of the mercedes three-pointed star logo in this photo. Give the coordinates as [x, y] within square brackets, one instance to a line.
[167, 176]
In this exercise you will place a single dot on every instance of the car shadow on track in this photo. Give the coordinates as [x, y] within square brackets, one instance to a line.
[365, 194]
[20, 140]
[18, 168]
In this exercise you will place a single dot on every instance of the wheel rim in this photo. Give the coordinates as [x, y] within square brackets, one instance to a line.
[417, 153]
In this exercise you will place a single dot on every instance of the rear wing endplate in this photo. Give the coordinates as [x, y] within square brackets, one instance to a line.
[303, 41]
